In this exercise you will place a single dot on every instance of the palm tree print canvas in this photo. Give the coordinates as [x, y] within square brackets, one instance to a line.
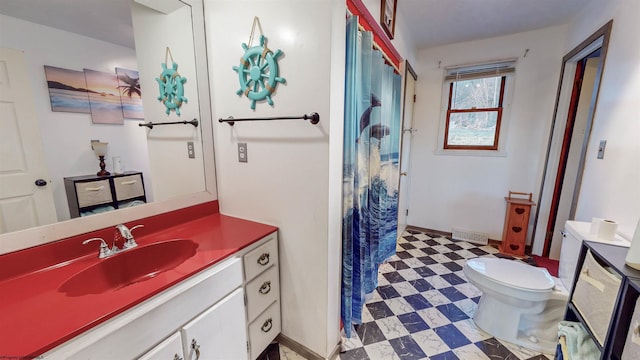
[130, 93]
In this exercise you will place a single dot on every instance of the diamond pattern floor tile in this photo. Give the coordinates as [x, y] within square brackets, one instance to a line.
[423, 307]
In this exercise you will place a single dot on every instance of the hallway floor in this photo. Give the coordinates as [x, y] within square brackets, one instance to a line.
[423, 307]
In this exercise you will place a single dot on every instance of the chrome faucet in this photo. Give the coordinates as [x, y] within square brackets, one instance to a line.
[121, 233]
[124, 232]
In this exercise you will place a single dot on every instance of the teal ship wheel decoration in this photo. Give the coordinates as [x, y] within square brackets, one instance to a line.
[171, 86]
[258, 70]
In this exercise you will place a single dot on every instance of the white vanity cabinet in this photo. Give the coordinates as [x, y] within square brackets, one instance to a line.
[169, 349]
[214, 334]
[217, 333]
[202, 317]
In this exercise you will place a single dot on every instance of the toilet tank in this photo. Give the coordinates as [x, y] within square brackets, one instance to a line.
[573, 235]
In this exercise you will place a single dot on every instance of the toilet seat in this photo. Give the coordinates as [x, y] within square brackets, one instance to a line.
[513, 274]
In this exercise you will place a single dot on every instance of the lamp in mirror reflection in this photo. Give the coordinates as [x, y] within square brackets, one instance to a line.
[100, 149]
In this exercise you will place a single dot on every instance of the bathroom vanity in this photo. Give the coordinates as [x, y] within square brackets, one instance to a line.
[604, 295]
[219, 300]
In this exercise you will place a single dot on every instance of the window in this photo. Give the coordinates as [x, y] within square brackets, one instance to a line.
[475, 104]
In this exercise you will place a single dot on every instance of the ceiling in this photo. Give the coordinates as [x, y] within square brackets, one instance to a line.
[439, 22]
[107, 20]
[430, 22]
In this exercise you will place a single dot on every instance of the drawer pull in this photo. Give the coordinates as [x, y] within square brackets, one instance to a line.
[584, 275]
[196, 348]
[519, 211]
[266, 327]
[265, 288]
[130, 182]
[177, 357]
[516, 229]
[101, 187]
[263, 259]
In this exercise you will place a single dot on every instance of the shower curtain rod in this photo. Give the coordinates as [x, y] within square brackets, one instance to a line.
[377, 47]
[380, 40]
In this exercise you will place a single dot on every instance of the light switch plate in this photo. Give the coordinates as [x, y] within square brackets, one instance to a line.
[190, 150]
[601, 147]
[242, 152]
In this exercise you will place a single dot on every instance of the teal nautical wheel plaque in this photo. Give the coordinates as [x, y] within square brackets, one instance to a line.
[258, 70]
[171, 86]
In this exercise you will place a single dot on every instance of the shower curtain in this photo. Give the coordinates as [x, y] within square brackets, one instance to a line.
[370, 170]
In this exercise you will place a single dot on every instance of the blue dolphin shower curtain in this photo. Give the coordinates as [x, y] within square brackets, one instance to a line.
[370, 170]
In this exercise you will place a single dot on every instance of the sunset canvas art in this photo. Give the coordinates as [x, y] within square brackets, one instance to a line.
[104, 97]
[67, 90]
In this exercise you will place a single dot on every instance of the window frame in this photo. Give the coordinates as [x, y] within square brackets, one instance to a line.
[499, 110]
[507, 68]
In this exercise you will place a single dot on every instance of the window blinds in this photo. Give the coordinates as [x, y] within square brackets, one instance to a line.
[470, 72]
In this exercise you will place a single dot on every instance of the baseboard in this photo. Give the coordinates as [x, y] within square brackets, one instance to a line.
[492, 242]
[429, 231]
[305, 351]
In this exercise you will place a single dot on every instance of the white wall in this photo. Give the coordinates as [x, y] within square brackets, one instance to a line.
[467, 192]
[66, 136]
[291, 177]
[610, 186]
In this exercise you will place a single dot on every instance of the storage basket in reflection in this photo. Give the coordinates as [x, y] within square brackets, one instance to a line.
[595, 296]
[632, 344]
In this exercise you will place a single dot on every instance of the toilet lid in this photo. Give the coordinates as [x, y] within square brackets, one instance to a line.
[513, 273]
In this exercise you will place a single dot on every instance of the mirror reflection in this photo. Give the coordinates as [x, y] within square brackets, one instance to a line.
[62, 159]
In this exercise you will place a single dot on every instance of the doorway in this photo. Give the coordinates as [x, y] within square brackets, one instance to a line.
[410, 78]
[570, 131]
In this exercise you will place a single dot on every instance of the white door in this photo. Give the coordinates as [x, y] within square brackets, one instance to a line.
[218, 333]
[26, 198]
[407, 133]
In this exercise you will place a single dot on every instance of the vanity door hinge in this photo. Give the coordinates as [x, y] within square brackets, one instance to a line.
[245, 299]
[414, 97]
[248, 346]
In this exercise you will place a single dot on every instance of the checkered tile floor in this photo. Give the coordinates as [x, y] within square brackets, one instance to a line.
[423, 307]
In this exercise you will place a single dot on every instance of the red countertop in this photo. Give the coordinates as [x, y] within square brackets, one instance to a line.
[36, 317]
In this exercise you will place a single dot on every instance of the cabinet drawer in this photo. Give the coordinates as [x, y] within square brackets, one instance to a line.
[261, 258]
[93, 192]
[264, 329]
[170, 348]
[262, 291]
[595, 296]
[128, 187]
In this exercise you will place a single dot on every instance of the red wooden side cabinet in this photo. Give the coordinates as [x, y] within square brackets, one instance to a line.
[516, 223]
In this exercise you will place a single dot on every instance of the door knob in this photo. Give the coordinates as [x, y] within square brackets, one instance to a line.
[41, 182]
[403, 173]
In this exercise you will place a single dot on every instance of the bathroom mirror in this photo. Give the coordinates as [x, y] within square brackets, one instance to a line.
[172, 179]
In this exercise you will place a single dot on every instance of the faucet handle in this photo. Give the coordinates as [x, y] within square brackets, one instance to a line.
[130, 241]
[104, 248]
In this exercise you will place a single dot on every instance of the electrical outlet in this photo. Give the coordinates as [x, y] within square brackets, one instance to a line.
[242, 152]
[190, 150]
[601, 147]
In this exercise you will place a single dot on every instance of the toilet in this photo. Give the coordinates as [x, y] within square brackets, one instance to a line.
[520, 303]
[523, 304]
